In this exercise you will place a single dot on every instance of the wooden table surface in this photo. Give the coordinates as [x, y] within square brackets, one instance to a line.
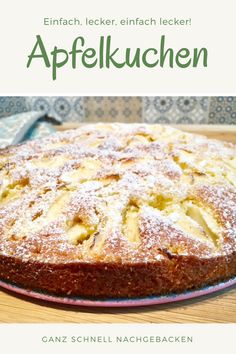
[216, 308]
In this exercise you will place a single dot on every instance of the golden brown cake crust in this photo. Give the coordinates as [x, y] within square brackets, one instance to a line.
[117, 210]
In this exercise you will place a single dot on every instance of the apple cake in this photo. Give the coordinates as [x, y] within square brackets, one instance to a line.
[118, 210]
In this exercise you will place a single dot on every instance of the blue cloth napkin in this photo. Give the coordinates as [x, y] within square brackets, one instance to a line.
[24, 126]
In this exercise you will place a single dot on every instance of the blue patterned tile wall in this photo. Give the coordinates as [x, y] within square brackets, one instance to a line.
[177, 110]
[68, 109]
[12, 105]
[113, 109]
[222, 110]
[159, 109]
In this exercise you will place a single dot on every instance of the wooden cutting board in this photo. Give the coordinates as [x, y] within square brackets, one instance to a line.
[216, 308]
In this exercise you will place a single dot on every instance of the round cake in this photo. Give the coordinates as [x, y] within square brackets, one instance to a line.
[118, 210]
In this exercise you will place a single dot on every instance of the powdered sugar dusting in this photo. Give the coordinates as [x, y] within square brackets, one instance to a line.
[94, 174]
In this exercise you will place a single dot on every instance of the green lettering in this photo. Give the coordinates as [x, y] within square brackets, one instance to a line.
[144, 58]
[163, 53]
[101, 50]
[74, 50]
[136, 59]
[196, 56]
[43, 53]
[89, 56]
[58, 64]
[109, 55]
[183, 53]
